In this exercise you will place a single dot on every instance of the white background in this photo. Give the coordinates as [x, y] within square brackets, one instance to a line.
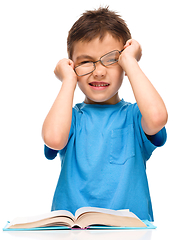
[32, 41]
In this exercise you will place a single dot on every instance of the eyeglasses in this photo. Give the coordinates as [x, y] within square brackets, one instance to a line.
[88, 67]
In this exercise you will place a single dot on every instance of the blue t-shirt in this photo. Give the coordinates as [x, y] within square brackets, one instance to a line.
[104, 162]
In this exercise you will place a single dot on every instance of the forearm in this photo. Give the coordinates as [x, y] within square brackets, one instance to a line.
[150, 103]
[56, 126]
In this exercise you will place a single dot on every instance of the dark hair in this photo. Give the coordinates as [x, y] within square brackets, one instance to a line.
[97, 23]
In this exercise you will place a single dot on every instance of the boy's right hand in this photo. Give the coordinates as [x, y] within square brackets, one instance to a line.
[65, 70]
[57, 124]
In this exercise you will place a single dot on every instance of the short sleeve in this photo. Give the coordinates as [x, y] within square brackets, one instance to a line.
[50, 154]
[147, 144]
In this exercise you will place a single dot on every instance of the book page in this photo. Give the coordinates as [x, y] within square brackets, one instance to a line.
[107, 219]
[53, 214]
[124, 212]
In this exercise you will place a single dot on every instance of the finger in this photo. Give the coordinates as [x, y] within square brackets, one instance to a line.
[71, 63]
[128, 43]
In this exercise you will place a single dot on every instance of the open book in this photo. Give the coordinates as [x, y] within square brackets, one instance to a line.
[85, 217]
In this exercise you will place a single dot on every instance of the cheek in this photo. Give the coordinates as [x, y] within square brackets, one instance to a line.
[118, 75]
[81, 84]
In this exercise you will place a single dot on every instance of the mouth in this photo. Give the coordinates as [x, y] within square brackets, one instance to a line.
[99, 85]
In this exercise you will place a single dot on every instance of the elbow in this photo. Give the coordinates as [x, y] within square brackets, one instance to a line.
[160, 119]
[156, 122]
[54, 141]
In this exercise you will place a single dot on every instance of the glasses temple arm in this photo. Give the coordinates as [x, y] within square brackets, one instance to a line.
[121, 51]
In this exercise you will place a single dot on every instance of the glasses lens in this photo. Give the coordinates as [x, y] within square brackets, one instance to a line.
[84, 68]
[110, 58]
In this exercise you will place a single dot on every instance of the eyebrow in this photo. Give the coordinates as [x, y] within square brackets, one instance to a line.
[83, 57]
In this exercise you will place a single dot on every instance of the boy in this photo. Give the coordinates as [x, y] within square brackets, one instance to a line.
[104, 142]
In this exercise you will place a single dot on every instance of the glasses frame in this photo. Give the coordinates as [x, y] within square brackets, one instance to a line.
[94, 63]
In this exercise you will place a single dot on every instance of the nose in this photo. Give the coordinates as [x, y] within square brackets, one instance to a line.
[100, 70]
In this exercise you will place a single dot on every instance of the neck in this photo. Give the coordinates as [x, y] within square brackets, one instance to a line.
[111, 101]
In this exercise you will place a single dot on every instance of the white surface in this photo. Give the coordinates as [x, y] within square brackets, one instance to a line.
[33, 40]
[80, 235]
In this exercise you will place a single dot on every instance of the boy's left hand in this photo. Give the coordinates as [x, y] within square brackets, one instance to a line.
[132, 50]
[150, 103]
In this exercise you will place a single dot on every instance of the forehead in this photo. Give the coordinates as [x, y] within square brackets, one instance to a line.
[96, 47]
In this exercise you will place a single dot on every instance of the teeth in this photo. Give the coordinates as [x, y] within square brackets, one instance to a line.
[99, 85]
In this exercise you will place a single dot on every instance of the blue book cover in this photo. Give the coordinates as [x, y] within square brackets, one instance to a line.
[85, 218]
[148, 224]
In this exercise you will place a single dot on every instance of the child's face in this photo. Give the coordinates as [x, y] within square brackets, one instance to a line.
[102, 85]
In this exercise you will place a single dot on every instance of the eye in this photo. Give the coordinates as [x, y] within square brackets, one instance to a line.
[112, 60]
[109, 61]
[84, 62]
